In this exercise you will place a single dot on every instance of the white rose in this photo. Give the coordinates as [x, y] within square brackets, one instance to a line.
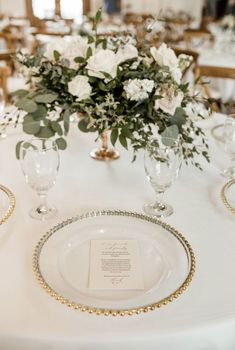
[80, 87]
[55, 45]
[126, 53]
[76, 47]
[102, 61]
[165, 56]
[169, 102]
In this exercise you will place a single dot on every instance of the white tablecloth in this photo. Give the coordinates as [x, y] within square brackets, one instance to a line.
[202, 318]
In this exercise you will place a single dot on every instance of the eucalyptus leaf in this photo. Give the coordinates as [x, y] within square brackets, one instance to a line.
[27, 105]
[20, 93]
[45, 132]
[61, 143]
[31, 127]
[82, 125]
[17, 150]
[57, 127]
[40, 112]
[46, 98]
[66, 117]
[169, 135]
[179, 118]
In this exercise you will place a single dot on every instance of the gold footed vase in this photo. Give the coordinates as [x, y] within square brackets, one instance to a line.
[104, 152]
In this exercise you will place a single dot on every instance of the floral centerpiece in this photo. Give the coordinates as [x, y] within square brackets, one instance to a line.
[133, 93]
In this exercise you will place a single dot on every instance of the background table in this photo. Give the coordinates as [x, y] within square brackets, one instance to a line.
[202, 318]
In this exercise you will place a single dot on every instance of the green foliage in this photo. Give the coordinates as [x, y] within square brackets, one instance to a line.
[170, 134]
[114, 136]
[26, 104]
[61, 143]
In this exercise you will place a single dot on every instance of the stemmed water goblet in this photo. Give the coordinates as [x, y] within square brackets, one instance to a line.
[162, 162]
[229, 145]
[40, 163]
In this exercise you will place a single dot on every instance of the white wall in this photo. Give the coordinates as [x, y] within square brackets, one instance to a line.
[13, 7]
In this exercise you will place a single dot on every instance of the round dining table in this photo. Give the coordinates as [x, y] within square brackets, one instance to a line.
[202, 318]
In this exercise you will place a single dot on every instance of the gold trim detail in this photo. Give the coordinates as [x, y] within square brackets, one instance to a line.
[113, 312]
[223, 195]
[12, 203]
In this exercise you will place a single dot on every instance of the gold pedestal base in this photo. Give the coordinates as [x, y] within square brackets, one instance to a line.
[104, 154]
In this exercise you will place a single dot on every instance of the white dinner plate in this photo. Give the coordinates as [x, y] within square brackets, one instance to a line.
[61, 262]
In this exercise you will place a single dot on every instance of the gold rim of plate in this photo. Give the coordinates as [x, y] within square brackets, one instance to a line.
[223, 195]
[12, 202]
[114, 312]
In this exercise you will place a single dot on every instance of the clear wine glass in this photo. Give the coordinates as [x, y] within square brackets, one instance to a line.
[40, 164]
[229, 145]
[162, 163]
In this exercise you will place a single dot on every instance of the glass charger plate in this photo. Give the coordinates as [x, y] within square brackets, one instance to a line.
[228, 195]
[7, 203]
[61, 262]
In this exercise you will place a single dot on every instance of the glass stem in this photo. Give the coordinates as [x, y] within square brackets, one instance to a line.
[42, 207]
[159, 200]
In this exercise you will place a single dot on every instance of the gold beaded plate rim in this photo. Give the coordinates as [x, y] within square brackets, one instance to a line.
[12, 202]
[114, 312]
[224, 198]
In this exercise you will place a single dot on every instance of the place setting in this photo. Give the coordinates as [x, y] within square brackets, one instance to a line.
[114, 119]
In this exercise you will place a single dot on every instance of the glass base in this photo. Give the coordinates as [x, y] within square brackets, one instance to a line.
[159, 210]
[104, 154]
[42, 214]
[229, 173]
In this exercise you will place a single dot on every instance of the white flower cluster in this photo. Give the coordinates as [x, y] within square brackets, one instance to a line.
[193, 110]
[138, 89]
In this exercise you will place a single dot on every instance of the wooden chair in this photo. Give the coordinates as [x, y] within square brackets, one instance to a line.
[5, 72]
[191, 34]
[194, 62]
[214, 72]
[9, 82]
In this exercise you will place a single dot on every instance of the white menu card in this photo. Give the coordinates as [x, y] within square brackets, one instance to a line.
[115, 264]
